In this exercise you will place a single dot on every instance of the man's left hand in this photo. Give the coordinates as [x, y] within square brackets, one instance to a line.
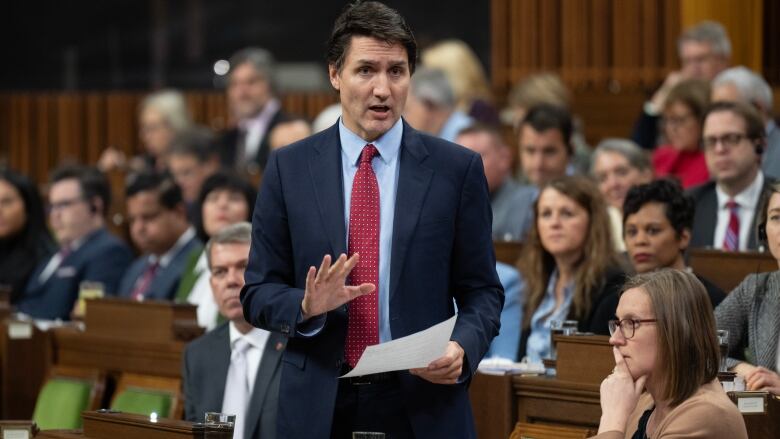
[446, 369]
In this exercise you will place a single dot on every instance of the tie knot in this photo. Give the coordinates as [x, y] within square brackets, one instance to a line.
[731, 205]
[368, 154]
[240, 346]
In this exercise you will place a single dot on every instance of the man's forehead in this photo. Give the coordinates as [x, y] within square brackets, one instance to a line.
[366, 49]
[68, 186]
[725, 120]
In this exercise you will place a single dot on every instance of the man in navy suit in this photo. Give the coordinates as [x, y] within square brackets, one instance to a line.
[233, 349]
[78, 201]
[399, 224]
[159, 228]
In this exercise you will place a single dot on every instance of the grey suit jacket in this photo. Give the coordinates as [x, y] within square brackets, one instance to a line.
[751, 314]
[705, 218]
[512, 206]
[166, 280]
[204, 371]
[770, 162]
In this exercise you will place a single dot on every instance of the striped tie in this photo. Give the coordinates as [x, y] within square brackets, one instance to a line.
[731, 241]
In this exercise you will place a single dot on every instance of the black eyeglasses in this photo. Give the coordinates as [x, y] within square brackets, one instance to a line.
[728, 140]
[627, 326]
[63, 204]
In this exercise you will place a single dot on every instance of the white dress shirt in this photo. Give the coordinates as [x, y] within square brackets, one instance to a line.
[748, 202]
[256, 129]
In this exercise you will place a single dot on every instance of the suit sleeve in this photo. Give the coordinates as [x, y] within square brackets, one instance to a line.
[269, 300]
[733, 314]
[108, 267]
[189, 393]
[476, 288]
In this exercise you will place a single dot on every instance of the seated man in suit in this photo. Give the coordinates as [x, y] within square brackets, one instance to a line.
[159, 228]
[740, 84]
[251, 96]
[78, 201]
[234, 368]
[733, 138]
[509, 200]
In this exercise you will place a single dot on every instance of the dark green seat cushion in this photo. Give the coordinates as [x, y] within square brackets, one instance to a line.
[60, 404]
[143, 402]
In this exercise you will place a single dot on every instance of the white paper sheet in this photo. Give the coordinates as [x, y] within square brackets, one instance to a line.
[410, 352]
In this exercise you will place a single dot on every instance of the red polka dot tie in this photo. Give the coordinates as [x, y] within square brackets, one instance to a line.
[363, 327]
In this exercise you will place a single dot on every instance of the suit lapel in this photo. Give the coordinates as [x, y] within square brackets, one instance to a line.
[709, 209]
[265, 373]
[413, 181]
[325, 169]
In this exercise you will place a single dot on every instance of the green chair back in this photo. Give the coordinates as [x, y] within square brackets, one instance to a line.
[60, 403]
[143, 402]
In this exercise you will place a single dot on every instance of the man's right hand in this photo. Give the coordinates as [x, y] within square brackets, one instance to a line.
[326, 288]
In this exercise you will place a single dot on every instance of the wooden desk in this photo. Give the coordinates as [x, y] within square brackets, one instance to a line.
[728, 269]
[25, 356]
[552, 401]
[493, 405]
[99, 425]
[585, 359]
[82, 349]
[507, 252]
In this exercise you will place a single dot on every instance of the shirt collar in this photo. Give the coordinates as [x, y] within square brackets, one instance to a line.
[165, 259]
[256, 337]
[388, 144]
[263, 116]
[748, 198]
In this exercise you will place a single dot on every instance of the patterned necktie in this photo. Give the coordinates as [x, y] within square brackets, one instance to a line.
[731, 240]
[363, 327]
[236, 397]
[145, 281]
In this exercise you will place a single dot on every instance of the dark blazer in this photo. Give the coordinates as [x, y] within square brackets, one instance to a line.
[602, 309]
[101, 258]
[706, 217]
[228, 144]
[204, 372]
[166, 280]
[441, 250]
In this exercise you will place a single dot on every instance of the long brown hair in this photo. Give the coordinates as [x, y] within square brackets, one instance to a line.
[688, 355]
[537, 264]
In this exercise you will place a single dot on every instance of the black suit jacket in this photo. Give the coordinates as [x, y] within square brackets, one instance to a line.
[705, 219]
[228, 144]
[204, 371]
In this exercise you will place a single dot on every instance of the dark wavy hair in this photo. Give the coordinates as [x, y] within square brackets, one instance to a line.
[369, 19]
[20, 253]
[224, 180]
[678, 206]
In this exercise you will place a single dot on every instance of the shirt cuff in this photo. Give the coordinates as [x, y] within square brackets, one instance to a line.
[311, 327]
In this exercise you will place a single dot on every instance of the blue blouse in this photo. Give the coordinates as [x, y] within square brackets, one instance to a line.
[538, 345]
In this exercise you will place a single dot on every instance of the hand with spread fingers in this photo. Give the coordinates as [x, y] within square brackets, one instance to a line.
[446, 369]
[326, 288]
[619, 395]
[762, 378]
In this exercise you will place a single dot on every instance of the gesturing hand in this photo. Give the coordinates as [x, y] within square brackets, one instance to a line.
[326, 288]
[445, 369]
[619, 395]
[763, 379]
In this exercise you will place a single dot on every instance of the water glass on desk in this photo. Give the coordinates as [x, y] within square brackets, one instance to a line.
[560, 327]
[723, 343]
[219, 424]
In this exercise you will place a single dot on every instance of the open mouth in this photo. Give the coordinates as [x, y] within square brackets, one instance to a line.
[380, 109]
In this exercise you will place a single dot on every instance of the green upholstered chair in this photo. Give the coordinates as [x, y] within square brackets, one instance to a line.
[65, 394]
[144, 394]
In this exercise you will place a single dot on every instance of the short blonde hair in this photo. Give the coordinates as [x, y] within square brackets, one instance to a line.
[463, 69]
[172, 106]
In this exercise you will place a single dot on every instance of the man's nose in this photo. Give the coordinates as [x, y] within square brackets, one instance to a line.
[381, 86]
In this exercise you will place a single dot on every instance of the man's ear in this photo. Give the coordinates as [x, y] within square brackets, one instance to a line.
[333, 75]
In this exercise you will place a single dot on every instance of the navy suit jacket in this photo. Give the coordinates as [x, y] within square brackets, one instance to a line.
[204, 372]
[166, 280]
[441, 250]
[101, 258]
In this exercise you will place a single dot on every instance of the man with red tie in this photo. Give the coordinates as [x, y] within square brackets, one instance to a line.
[367, 232]
[733, 138]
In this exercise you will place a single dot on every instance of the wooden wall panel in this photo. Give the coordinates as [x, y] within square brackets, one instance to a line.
[39, 131]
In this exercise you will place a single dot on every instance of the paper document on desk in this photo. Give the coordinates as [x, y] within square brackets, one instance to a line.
[410, 352]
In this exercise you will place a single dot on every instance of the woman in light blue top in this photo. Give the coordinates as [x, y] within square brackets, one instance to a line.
[568, 265]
